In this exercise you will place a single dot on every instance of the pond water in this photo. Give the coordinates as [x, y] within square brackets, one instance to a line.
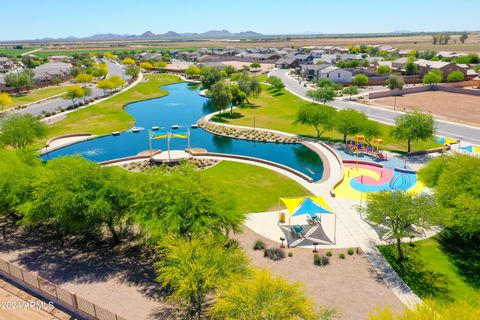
[183, 106]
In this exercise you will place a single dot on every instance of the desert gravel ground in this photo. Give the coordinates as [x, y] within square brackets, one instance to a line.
[349, 285]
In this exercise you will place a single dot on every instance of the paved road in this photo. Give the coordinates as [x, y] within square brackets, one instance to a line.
[465, 133]
[54, 104]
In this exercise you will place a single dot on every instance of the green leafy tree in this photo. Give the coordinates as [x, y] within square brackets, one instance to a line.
[229, 70]
[434, 76]
[371, 130]
[262, 296]
[16, 176]
[463, 37]
[185, 202]
[87, 92]
[250, 85]
[351, 91]
[19, 131]
[194, 268]
[255, 66]
[349, 122]
[455, 76]
[221, 95]
[210, 76]
[360, 80]
[238, 97]
[324, 94]
[79, 197]
[132, 71]
[383, 69]
[414, 126]
[19, 80]
[394, 82]
[317, 117]
[74, 92]
[410, 67]
[276, 83]
[193, 72]
[457, 189]
[399, 211]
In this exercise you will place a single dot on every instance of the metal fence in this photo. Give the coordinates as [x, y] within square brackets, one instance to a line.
[50, 291]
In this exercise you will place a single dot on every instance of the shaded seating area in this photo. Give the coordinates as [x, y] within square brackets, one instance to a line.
[304, 226]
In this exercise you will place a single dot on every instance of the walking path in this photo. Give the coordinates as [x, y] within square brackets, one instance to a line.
[450, 129]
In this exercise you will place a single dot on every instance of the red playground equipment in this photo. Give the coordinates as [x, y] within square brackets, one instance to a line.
[360, 146]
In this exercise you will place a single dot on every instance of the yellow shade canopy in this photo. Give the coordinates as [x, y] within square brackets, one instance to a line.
[293, 203]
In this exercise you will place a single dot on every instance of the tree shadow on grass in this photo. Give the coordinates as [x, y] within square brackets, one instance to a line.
[424, 282]
[80, 260]
[225, 116]
[465, 255]
[276, 92]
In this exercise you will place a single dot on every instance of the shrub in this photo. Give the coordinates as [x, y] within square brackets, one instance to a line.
[259, 245]
[341, 256]
[329, 253]
[274, 254]
[290, 254]
[320, 260]
[350, 252]
[455, 76]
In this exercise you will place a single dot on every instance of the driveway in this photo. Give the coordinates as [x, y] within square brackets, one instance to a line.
[463, 132]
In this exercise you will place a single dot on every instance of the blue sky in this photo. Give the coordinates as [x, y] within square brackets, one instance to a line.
[29, 19]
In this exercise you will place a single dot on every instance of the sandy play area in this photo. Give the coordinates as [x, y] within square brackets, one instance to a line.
[451, 106]
[350, 285]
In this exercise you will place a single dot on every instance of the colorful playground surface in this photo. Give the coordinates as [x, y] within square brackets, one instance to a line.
[367, 177]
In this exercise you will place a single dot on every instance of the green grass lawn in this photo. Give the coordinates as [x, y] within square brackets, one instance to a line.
[255, 189]
[14, 52]
[36, 95]
[431, 253]
[278, 111]
[108, 116]
[431, 273]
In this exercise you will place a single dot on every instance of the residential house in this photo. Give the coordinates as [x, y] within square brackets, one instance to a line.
[336, 74]
[311, 72]
[450, 54]
[329, 57]
[6, 65]
[399, 63]
[349, 56]
[47, 71]
[424, 66]
[304, 58]
[287, 63]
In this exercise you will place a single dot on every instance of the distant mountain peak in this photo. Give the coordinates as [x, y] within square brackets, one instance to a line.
[147, 34]
[168, 35]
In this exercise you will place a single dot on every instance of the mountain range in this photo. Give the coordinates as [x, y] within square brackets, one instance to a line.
[170, 35]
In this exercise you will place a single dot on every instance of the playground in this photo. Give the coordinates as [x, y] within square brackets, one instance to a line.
[364, 177]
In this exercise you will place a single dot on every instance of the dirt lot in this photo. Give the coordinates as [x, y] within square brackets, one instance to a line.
[415, 41]
[451, 106]
[350, 285]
